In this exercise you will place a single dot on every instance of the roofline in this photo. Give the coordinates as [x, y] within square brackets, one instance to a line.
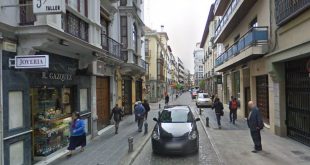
[206, 31]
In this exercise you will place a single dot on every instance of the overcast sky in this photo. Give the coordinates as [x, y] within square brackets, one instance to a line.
[184, 21]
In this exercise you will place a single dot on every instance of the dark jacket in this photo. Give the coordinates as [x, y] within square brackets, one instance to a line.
[167, 99]
[146, 107]
[218, 106]
[139, 111]
[117, 113]
[255, 121]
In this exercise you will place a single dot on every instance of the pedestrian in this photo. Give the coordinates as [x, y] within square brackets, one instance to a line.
[219, 111]
[233, 107]
[140, 114]
[167, 99]
[255, 124]
[117, 112]
[134, 107]
[77, 133]
[146, 107]
[213, 97]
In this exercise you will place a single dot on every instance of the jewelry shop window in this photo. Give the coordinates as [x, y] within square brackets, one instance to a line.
[51, 114]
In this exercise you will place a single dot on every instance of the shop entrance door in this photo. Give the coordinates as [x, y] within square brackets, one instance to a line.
[297, 100]
[263, 96]
[127, 97]
[103, 101]
[139, 90]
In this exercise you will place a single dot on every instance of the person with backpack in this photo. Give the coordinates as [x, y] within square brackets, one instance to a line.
[233, 106]
[256, 124]
[140, 114]
[146, 107]
[117, 113]
[219, 111]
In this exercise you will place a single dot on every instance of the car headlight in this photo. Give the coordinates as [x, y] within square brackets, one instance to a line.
[155, 135]
[192, 135]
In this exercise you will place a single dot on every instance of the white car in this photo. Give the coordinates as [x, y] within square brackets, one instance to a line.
[203, 100]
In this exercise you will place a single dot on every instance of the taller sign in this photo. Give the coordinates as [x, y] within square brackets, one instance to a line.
[49, 6]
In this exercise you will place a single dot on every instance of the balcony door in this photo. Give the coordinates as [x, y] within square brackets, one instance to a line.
[104, 34]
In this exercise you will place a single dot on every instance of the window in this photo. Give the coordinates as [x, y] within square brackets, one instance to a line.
[104, 33]
[26, 13]
[124, 34]
[135, 37]
[83, 100]
[16, 110]
[176, 116]
[200, 69]
[75, 26]
[253, 23]
[79, 5]
[237, 38]
[146, 47]
[123, 2]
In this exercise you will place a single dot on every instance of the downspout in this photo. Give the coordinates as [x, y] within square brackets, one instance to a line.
[1, 105]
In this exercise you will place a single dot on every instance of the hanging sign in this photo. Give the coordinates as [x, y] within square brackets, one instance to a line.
[31, 61]
[49, 6]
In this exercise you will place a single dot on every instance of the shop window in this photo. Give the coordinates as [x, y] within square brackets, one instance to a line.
[51, 109]
[17, 153]
[83, 100]
[16, 110]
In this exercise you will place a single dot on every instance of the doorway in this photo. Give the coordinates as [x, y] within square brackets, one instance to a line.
[103, 101]
[263, 96]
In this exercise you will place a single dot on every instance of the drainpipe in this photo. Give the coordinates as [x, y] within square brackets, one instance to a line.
[1, 105]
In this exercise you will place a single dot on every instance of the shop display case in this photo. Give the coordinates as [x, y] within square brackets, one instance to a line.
[51, 111]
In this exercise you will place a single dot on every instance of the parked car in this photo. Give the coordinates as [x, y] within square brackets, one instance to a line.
[204, 100]
[175, 131]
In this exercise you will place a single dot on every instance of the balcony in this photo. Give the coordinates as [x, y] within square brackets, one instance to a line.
[111, 46]
[220, 6]
[142, 64]
[250, 45]
[235, 12]
[288, 9]
[75, 26]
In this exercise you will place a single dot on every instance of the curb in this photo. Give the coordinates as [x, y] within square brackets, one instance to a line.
[131, 157]
[221, 162]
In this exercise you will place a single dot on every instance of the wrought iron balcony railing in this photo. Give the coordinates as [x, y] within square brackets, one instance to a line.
[111, 46]
[255, 36]
[287, 9]
[231, 8]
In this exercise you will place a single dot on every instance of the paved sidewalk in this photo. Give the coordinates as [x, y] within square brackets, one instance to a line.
[235, 144]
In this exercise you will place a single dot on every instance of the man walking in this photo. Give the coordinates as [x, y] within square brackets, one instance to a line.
[233, 107]
[117, 113]
[255, 124]
[140, 114]
[146, 107]
[219, 111]
[167, 99]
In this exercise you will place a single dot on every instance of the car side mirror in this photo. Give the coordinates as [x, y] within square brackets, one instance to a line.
[155, 119]
[197, 119]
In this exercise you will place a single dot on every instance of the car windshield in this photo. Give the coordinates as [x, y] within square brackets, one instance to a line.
[176, 116]
[203, 95]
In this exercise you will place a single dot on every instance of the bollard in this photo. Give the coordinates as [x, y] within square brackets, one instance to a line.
[207, 121]
[130, 144]
[158, 106]
[146, 128]
[199, 111]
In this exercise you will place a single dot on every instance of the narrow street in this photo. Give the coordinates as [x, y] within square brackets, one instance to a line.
[205, 156]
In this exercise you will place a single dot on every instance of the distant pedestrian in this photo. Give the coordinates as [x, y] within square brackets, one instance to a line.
[140, 114]
[255, 124]
[167, 99]
[117, 112]
[233, 107]
[219, 111]
[77, 133]
[146, 107]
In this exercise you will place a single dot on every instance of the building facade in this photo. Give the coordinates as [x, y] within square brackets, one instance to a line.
[263, 55]
[198, 64]
[92, 47]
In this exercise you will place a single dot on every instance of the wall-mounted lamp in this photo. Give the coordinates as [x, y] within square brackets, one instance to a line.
[64, 42]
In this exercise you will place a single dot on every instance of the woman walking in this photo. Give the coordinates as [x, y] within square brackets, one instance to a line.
[117, 113]
[78, 135]
[219, 111]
